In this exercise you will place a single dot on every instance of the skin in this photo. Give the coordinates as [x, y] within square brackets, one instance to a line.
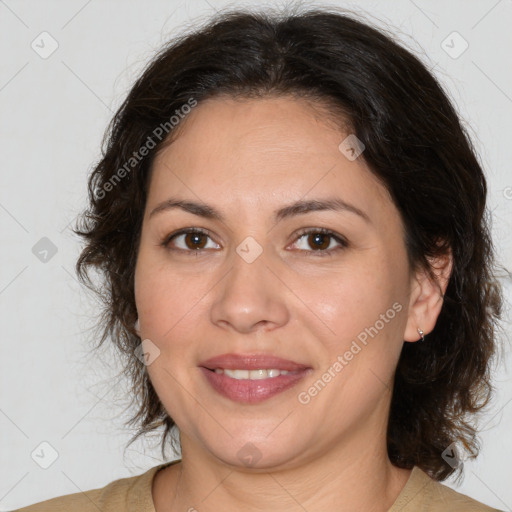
[248, 158]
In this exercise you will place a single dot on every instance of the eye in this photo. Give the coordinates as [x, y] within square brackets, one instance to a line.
[322, 241]
[191, 240]
[194, 240]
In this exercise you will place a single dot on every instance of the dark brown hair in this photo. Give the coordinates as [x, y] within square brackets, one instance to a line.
[414, 143]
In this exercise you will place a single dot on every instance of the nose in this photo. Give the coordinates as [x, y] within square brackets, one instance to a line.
[250, 297]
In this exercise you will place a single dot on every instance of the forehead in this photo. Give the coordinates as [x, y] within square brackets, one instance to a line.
[262, 152]
[274, 126]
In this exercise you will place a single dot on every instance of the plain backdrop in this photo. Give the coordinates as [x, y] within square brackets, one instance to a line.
[65, 68]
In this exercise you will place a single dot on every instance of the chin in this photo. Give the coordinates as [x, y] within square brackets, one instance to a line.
[259, 453]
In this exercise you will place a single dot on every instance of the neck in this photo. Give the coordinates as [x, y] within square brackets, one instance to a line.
[357, 475]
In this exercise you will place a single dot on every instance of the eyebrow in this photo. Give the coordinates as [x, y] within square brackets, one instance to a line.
[300, 207]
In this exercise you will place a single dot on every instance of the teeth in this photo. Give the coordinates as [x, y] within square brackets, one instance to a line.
[251, 374]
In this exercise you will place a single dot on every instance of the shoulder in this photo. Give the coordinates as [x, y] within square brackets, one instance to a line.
[426, 494]
[125, 494]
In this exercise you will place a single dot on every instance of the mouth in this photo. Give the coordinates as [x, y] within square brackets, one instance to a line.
[258, 374]
[252, 378]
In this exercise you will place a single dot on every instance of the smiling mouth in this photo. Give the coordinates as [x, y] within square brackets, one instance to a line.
[259, 374]
[252, 386]
[252, 378]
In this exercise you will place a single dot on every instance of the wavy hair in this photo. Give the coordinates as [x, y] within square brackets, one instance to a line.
[415, 144]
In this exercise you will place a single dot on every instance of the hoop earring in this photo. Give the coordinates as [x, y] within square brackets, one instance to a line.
[420, 332]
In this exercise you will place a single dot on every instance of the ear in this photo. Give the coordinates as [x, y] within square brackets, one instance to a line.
[427, 295]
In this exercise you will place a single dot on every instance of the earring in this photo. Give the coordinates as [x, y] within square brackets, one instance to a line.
[420, 332]
[136, 326]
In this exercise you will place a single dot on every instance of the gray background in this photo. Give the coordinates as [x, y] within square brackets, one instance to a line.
[54, 109]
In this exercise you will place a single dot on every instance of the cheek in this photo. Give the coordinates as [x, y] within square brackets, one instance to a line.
[166, 301]
[350, 300]
[168, 304]
[362, 315]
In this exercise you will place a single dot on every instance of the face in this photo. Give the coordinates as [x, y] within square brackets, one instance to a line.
[325, 288]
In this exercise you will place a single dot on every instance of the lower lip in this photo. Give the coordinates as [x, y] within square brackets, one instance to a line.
[251, 391]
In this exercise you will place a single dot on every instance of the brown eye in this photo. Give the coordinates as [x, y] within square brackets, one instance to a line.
[188, 240]
[319, 241]
[195, 240]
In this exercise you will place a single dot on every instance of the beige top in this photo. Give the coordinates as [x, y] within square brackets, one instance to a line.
[133, 494]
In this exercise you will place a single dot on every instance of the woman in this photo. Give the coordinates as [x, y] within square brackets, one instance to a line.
[291, 226]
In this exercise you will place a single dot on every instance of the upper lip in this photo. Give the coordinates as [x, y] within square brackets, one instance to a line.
[251, 362]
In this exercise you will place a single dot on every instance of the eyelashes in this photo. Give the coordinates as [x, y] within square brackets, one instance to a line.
[315, 239]
[317, 236]
[195, 233]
